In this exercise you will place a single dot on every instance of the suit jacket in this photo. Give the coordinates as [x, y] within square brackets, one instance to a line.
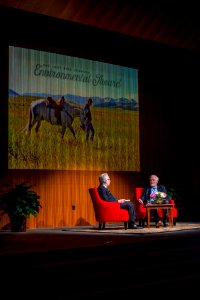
[147, 191]
[105, 194]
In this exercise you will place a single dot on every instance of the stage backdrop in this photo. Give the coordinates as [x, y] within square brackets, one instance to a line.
[35, 75]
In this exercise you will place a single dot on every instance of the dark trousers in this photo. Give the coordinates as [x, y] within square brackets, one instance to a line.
[89, 129]
[157, 218]
[131, 211]
[165, 214]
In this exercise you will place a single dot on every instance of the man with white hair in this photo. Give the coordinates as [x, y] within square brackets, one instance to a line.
[106, 195]
[153, 188]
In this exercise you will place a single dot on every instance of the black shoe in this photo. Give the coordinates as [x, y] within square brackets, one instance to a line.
[158, 224]
[135, 227]
[165, 225]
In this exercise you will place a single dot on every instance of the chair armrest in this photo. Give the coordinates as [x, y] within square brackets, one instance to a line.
[111, 207]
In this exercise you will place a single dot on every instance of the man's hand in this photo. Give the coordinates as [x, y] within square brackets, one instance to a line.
[121, 200]
[140, 201]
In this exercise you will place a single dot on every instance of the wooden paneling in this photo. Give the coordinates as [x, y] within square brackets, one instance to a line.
[64, 195]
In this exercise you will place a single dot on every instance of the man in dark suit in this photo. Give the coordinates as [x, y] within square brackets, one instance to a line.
[146, 198]
[106, 195]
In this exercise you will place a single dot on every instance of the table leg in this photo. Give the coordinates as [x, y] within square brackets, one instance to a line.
[148, 217]
[171, 220]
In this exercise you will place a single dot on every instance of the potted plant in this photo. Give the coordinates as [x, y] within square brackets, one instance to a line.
[19, 201]
[174, 193]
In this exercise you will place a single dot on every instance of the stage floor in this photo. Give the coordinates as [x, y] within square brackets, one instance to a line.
[50, 239]
[83, 263]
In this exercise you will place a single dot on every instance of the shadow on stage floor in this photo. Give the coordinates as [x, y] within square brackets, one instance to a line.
[57, 264]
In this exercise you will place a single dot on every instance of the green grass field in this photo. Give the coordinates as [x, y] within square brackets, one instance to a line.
[115, 146]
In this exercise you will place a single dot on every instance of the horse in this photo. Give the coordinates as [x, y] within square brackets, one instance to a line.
[39, 111]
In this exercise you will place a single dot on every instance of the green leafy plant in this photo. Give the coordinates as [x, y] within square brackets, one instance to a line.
[176, 193]
[19, 200]
[171, 191]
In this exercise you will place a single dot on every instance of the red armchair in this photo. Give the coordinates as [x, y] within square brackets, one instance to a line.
[107, 211]
[141, 213]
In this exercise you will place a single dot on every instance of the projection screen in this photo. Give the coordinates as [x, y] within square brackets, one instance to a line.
[36, 75]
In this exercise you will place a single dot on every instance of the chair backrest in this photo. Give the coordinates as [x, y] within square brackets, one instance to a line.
[138, 192]
[94, 195]
[96, 200]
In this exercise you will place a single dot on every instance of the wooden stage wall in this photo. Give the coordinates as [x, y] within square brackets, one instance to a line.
[64, 195]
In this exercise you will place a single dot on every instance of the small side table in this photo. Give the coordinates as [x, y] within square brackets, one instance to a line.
[162, 206]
